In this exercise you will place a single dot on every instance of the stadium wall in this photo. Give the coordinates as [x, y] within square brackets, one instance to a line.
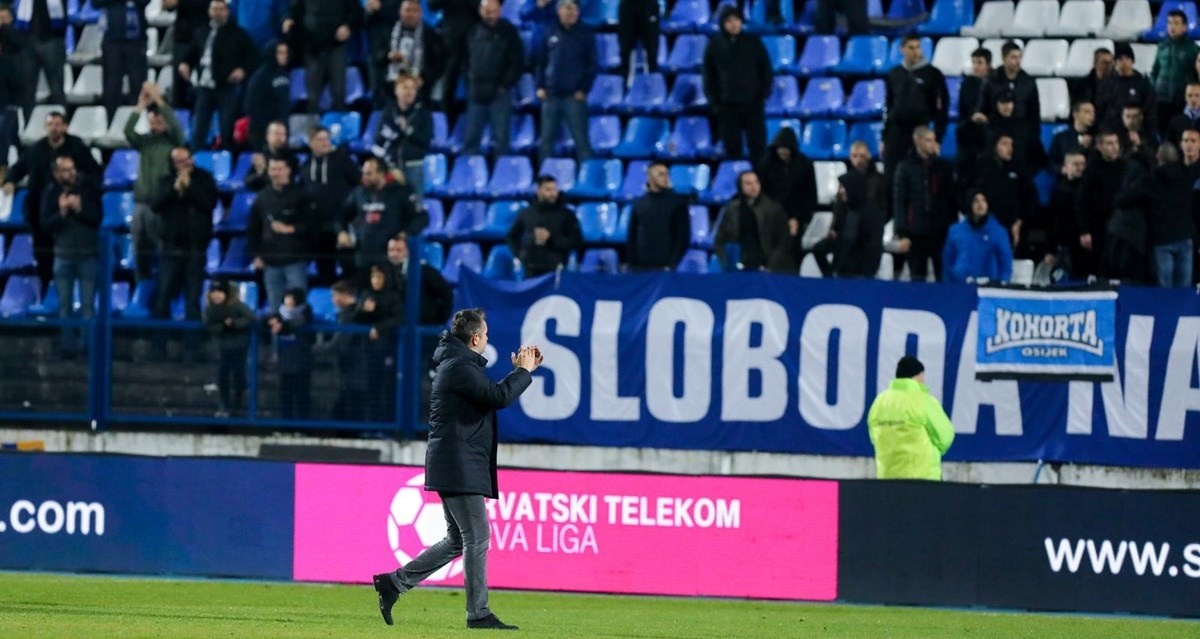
[1041, 547]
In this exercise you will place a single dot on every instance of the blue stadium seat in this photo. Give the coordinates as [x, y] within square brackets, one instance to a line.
[219, 163]
[687, 54]
[701, 226]
[525, 93]
[562, 170]
[950, 142]
[185, 122]
[467, 218]
[512, 177]
[607, 94]
[122, 169]
[694, 261]
[633, 185]
[599, 12]
[1049, 130]
[953, 91]
[433, 254]
[20, 255]
[1159, 30]
[821, 53]
[647, 95]
[822, 97]
[869, 132]
[642, 136]
[774, 124]
[118, 209]
[948, 17]
[212, 257]
[365, 141]
[604, 131]
[597, 178]
[687, 95]
[441, 132]
[120, 297]
[895, 57]
[320, 300]
[299, 87]
[802, 25]
[620, 234]
[687, 16]
[468, 178]
[866, 100]
[238, 217]
[691, 139]
[724, 185]
[600, 261]
[236, 261]
[464, 256]
[785, 96]
[756, 16]
[435, 172]
[865, 55]
[344, 126]
[1045, 182]
[142, 301]
[608, 51]
[597, 220]
[907, 11]
[241, 168]
[50, 302]
[122, 252]
[782, 51]
[355, 89]
[499, 219]
[20, 292]
[500, 264]
[690, 179]
[437, 217]
[85, 14]
[824, 140]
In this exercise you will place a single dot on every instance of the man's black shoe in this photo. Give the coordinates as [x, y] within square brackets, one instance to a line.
[490, 622]
[388, 594]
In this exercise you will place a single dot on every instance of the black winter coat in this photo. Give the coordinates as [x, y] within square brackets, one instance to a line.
[1116, 91]
[377, 216]
[187, 215]
[320, 19]
[234, 336]
[268, 93]
[737, 71]
[1010, 192]
[404, 135]
[925, 198]
[461, 454]
[289, 206]
[917, 97]
[232, 49]
[436, 299]
[1165, 195]
[37, 163]
[659, 231]
[75, 234]
[565, 236]
[793, 184]
[1026, 103]
[495, 60]
[329, 180]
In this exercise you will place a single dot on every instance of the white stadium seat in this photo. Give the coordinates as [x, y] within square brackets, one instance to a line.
[994, 17]
[166, 79]
[1022, 272]
[87, 50]
[827, 184]
[89, 123]
[817, 229]
[156, 17]
[1079, 59]
[1032, 18]
[1055, 99]
[952, 56]
[159, 54]
[1045, 58]
[1079, 19]
[114, 138]
[1143, 56]
[35, 128]
[88, 86]
[1128, 20]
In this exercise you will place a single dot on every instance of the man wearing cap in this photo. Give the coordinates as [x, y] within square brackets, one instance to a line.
[1125, 86]
[738, 80]
[908, 427]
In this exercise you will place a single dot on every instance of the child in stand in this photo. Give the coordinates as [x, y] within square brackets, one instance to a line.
[294, 346]
[380, 308]
[227, 320]
[348, 347]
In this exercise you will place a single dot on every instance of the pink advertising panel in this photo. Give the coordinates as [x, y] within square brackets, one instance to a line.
[587, 532]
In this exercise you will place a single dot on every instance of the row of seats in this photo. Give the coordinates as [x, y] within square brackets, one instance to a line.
[1130, 19]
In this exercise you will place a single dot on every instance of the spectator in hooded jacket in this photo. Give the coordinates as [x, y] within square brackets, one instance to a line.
[916, 96]
[1174, 67]
[1124, 86]
[124, 50]
[405, 133]
[410, 48]
[154, 161]
[564, 74]
[1008, 187]
[758, 227]
[227, 320]
[495, 58]
[222, 55]
[378, 210]
[1165, 195]
[856, 236]
[275, 145]
[924, 204]
[788, 177]
[977, 247]
[1189, 118]
[324, 28]
[738, 80]
[71, 213]
[546, 232]
[330, 176]
[294, 348]
[269, 93]
[279, 233]
[659, 225]
[638, 23]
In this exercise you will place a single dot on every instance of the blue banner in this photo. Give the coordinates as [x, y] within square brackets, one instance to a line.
[1047, 334]
[758, 362]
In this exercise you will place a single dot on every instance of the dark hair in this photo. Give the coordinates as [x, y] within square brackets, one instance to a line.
[984, 53]
[345, 287]
[298, 295]
[313, 131]
[1190, 129]
[152, 109]
[57, 114]
[1132, 105]
[467, 323]
[277, 157]
[545, 179]
[1079, 105]
[1178, 13]
[1101, 51]
[380, 165]
[64, 156]
[742, 175]
[909, 37]
[1008, 48]
[1107, 131]
[279, 122]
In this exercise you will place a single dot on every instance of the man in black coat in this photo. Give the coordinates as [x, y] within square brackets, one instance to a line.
[1189, 118]
[374, 213]
[436, 296]
[1077, 138]
[546, 232]
[124, 50]
[71, 212]
[788, 177]
[495, 59]
[279, 233]
[269, 93]
[1010, 77]
[409, 47]
[924, 204]
[460, 462]
[190, 15]
[1165, 195]
[737, 80]
[37, 163]
[659, 225]
[916, 96]
[1008, 187]
[324, 27]
[1102, 180]
[458, 18]
[329, 174]
[970, 134]
[1124, 86]
[1060, 213]
[222, 55]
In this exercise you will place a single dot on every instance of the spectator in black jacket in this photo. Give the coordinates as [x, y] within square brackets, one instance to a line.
[375, 213]
[638, 23]
[876, 185]
[436, 297]
[659, 225]
[222, 55]
[788, 177]
[275, 145]
[72, 213]
[46, 26]
[279, 234]
[970, 134]
[1087, 88]
[1125, 86]
[324, 27]
[348, 347]
[269, 93]
[227, 320]
[546, 232]
[124, 50]
[37, 163]
[1078, 137]
[564, 74]
[458, 18]
[330, 174]
[738, 80]
[17, 46]
[916, 96]
[1137, 138]
[381, 308]
[1010, 77]
[495, 58]
[1102, 179]
[405, 133]
[1189, 118]
[1028, 155]
[856, 236]
[924, 204]
[855, 12]
[409, 48]
[379, 17]
[185, 200]
[1008, 188]
[293, 345]
[1060, 213]
[756, 226]
[190, 15]
[1165, 194]
[10, 101]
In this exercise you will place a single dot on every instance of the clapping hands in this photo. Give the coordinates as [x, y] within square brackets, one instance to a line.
[528, 357]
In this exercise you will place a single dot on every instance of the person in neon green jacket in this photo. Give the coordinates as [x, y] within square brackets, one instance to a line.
[908, 427]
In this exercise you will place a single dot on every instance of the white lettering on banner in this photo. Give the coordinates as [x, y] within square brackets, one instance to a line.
[895, 327]
[970, 393]
[673, 512]
[561, 361]
[607, 404]
[1179, 397]
[739, 359]
[52, 517]
[698, 321]
[851, 384]
[1075, 330]
[1126, 406]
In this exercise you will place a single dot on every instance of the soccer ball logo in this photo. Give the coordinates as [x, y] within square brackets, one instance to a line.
[416, 522]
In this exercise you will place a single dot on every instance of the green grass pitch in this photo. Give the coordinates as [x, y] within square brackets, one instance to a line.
[35, 605]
